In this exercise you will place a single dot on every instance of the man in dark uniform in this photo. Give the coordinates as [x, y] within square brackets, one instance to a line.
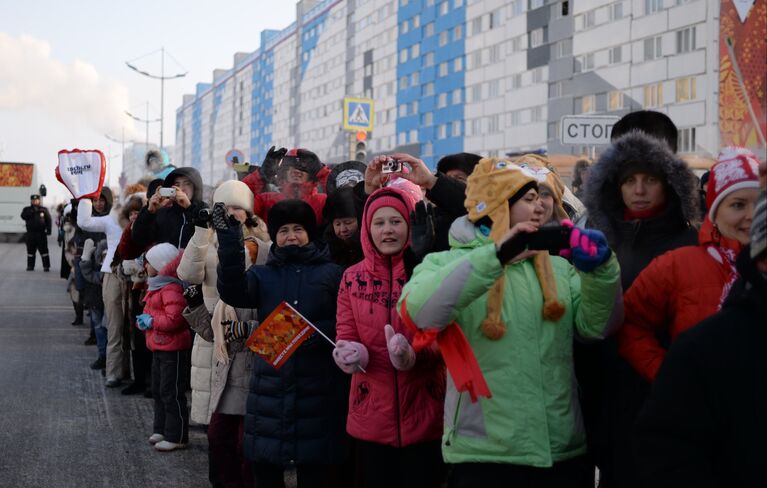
[38, 222]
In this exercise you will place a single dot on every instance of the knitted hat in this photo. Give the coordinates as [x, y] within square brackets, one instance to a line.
[542, 168]
[388, 200]
[489, 188]
[465, 162]
[161, 254]
[303, 160]
[233, 192]
[341, 204]
[759, 226]
[291, 212]
[736, 168]
[654, 124]
[348, 173]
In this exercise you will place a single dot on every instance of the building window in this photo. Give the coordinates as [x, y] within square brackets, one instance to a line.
[653, 48]
[538, 37]
[428, 89]
[403, 83]
[442, 38]
[442, 131]
[476, 26]
[652, 6]
[428, 29]
[653, 95]
[616, 55]
[493, 124]
[494, 19]
[442, 69]
[493, 88]
[442, 100]
[584, 63]
[428, 59]
[586, 104]
[443, 8]
[555, 90]
[415, 78]
[538, 114]
[415, 51]
[457, 64]
[590, 19]
[403, 56]
[516, 81]
[457, 96]
[456, 128]
[416, 21]
[457, 32]
[475, 59]
[685, 89]
[494, 54]
[515, 118]
[564, 48]
[615, 100]
[405, 27]
[476, 92]
[534, 4]
[552, 130]
[687, 139]
[428, 149]
[685, 40]
[616, 11]
[564, 9]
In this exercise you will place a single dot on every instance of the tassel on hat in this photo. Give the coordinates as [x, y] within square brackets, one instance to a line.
[488, 191]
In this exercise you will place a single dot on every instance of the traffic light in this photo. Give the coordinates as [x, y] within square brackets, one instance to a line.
[361, 146]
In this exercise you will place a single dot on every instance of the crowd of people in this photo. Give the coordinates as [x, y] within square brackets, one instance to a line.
[491, 323]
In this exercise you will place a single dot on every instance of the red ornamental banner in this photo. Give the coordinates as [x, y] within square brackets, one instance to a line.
[749, 43]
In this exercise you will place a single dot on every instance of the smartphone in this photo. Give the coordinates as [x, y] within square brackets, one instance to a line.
[552, 238]
[168, 192]
[391, 166]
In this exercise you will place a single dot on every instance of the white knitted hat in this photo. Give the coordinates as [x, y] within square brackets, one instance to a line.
[161, 254]
[233, 192]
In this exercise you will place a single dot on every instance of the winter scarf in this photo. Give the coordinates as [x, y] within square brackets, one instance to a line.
[159, 281]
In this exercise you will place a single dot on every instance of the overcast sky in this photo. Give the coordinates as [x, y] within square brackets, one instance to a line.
[63, 79]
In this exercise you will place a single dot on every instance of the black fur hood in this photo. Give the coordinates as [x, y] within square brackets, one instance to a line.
[602, 195]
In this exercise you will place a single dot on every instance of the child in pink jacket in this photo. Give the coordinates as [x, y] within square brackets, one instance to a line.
[169, 339]
[396, 404]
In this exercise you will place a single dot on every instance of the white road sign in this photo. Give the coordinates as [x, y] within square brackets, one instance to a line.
[587, 130]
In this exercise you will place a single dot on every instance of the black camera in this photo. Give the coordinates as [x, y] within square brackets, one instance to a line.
[551, 238]
[204, 214]
[391, 166]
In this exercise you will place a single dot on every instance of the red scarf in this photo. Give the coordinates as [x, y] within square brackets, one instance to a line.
[648, 213]
[457, 353]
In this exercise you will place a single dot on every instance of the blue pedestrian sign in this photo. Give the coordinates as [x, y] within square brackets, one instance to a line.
[358, 114]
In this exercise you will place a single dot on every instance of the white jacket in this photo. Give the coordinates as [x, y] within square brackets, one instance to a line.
[107, 224]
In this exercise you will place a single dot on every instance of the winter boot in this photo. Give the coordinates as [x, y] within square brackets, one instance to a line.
[46, 262]
[100, 363]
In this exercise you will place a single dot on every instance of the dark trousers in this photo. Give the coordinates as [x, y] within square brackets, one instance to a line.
[419, 465]
[171, 415]
[37, 241]
[227, 461]
[142, 361]
[566, 474]
[308, 475]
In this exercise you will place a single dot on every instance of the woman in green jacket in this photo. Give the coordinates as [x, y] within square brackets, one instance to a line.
[520, 312]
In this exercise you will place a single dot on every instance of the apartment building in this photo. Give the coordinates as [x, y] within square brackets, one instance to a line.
[485, 76]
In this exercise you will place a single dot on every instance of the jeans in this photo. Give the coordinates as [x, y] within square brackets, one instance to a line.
[97, 324]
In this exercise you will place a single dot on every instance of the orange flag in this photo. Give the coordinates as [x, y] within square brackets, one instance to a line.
[278, 337]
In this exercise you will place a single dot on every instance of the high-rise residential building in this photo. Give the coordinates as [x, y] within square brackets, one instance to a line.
[484, 76]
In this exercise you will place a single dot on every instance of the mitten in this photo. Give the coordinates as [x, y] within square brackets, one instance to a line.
[221, 219]
[88, 249]
[193, 296]
[422, 229]
[589, 249]
[350, 356]
[130, 267]
[144, 321]
[235, 330]
[401, 353]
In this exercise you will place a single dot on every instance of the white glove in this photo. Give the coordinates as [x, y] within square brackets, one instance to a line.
[130, 267]
[88, 249]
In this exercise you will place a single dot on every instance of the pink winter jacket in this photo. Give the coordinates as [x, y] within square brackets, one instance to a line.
[169, 331]
[386, 406]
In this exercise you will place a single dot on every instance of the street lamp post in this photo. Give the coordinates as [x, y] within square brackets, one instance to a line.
[145, 121]
[162, 79]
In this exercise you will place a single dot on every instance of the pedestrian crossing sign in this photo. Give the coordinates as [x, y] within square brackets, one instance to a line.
[358, 114]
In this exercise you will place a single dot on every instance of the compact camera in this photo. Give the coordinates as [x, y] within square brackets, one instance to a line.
[168, 192]
[391, 166]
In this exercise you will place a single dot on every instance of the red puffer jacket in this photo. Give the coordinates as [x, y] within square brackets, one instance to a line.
[386, 406]
[674, 292]
[169, 331]
[263, 202]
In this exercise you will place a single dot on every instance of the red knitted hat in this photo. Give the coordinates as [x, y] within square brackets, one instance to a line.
[388, 200]
[735, 168]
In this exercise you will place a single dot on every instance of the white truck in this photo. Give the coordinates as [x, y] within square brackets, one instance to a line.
[17, 182]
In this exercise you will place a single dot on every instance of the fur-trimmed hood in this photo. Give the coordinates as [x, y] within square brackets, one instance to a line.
[602, 194]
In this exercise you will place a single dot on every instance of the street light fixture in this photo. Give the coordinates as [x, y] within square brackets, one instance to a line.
[145, 121]
[162, 79]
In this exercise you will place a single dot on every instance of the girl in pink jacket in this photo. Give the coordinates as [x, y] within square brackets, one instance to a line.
[169, 339]
[396, 398]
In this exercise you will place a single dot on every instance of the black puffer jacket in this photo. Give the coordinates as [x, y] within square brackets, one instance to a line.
[612, 393]
[297, 414]
[636, 243]
[704, 424]
[171, 224]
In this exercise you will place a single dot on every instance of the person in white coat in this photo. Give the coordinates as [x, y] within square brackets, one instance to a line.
[113, 288]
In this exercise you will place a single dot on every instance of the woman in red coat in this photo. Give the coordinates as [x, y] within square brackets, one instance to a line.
[397, 395]
[682, 287]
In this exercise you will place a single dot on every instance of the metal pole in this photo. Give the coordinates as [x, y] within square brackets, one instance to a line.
[162, 95]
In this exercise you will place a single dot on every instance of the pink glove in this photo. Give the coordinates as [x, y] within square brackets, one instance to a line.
[401, 354]
[350, 356]
[578, 239]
